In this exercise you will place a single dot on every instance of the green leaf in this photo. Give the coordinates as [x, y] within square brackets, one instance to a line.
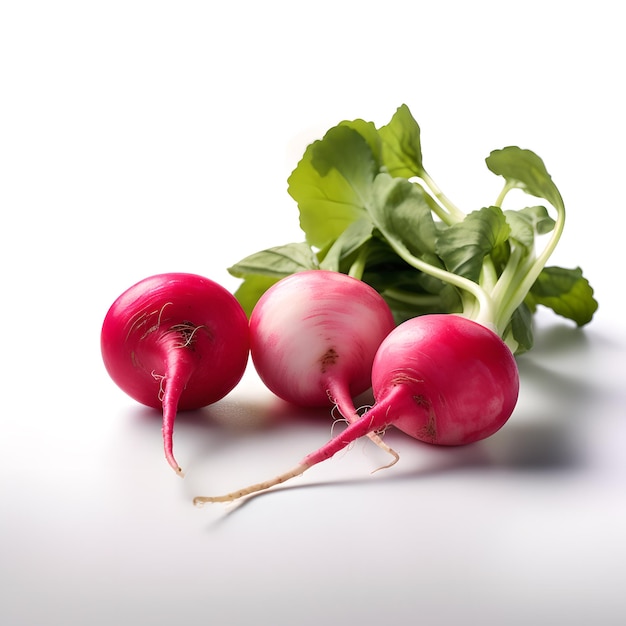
[402, 148]
[522, 329]
[566, 292]
[277, 262]
[526, 223]
[387, 271]
[251, 289]
[399, 209]
[332, 183]
[464, 245]
[357, 234]
[525, 170]
[362, 213]
[368, 131]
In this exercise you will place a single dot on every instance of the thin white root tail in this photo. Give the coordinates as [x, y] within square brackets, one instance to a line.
[246, 491]
[381, 444]
[375, 437]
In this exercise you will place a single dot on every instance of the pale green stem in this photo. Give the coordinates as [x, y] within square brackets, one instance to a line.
[417, 299]
[358, 267]
[504, 283]
[485, 314]
[489, 276]
[528, 279]
[453, 210]
[500, 199]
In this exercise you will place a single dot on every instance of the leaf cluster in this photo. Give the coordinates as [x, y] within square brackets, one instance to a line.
[368, 208]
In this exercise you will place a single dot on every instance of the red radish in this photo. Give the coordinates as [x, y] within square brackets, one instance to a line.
[441, 378]
[313, 337]
[175, 341]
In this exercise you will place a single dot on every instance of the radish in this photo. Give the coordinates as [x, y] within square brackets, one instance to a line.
[467, 283]
[441, 378]
[313, 337]
[175, 341]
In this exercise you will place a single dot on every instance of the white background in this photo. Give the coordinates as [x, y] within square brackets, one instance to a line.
[142, 137]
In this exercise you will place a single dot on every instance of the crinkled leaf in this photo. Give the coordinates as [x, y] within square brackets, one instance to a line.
[566, 292]
[402, 148]
[277, 262]
[368, 131]
[332, 183]
[525, 170]
[399, 209]
[464, 245]
[528, 222]
[357, 234]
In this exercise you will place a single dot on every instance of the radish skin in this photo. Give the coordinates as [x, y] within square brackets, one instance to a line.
[313, 337]
[441, 378]
[175, 342]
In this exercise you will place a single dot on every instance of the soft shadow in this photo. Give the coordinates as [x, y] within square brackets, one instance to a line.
[231, 508]
[546, 433]
[232, 423]
[245, 415]
[197, 433]
[231, 414]
[557, 403]
[559, 339]
[440, 460]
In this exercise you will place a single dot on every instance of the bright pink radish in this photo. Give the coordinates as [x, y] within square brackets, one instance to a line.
[443, 379]
[313, 337]
[175, 341]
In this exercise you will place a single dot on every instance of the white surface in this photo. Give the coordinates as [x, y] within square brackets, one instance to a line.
[140, 137]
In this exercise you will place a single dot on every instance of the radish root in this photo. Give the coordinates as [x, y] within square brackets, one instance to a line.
[296, 471]
[375, 437]
[240, 493]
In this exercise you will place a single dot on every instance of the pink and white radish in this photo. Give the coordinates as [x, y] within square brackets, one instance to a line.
[313, 337]
[175, 341]
[441, 378]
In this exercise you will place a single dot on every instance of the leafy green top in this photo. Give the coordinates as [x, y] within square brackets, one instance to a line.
[368, 208]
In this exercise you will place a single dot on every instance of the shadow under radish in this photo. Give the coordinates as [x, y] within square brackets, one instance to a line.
[545, 434]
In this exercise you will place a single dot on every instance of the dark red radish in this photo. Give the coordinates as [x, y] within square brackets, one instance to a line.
[441, 378]
[175, 342]
[313, 337]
